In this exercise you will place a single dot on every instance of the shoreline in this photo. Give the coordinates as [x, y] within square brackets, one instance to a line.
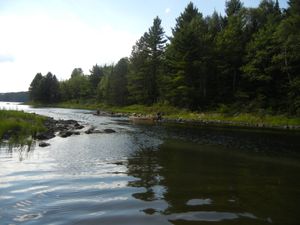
[22, 128]
[149, 119]
[172, 115]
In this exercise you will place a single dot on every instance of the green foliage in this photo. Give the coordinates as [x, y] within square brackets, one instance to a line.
[18, 126]
[261, 75]
[146, 62]
[95, 77]
[44, 88]
[249, 59]
[230, 46]
[187, 59]
[103, 88]
[118, 83]
[233, 7]
[77, 72]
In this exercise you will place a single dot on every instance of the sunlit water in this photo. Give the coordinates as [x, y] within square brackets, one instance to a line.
[151, 175]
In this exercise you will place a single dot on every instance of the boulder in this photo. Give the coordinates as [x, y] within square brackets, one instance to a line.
[43, 144]
[92, 130]
[45, 135]
[109, 131]
[65, 134]
[78, 126]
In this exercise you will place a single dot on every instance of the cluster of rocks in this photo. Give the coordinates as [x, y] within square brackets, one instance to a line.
[64, 128]
[93, 130]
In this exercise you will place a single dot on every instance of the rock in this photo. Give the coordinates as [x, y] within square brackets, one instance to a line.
[45, 135]
[43, 144]
[65, 134]
[92, 130]
[76, 132]
[109, 131]
[78, 126]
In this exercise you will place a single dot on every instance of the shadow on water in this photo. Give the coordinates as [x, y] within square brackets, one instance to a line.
[211, 176]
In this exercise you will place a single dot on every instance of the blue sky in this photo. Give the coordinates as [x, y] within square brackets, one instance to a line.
[59, 35]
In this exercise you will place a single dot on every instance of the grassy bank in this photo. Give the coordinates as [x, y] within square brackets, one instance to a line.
[221, 116]
[18, 126]
[228, 118]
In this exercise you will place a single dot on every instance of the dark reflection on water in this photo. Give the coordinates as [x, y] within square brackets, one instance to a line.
[153, 175]
[225, 176]
[208, 183]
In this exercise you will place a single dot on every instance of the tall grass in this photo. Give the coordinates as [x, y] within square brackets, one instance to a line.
[18, 126]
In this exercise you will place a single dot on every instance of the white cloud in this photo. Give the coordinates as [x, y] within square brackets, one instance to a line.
[39, 43]
[168, 10]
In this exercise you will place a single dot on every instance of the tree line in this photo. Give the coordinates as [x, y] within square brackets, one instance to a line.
[248, 58]
[21, 96]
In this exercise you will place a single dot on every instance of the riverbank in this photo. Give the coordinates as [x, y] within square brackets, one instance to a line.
[17, 126]
[21, 128]
[175, 115]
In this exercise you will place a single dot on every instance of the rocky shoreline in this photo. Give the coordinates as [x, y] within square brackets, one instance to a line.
[141, 118]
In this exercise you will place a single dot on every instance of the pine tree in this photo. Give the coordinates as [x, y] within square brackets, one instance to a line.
[230, 47]
[288, 35]
[35, 88]
[261, 78]
[118, 92]
[146, 62]
[186, 59]
[233, 7]
[95, 77]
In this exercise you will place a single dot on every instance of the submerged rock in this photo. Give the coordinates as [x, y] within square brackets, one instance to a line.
[92, 130]
[109, 131]
[68, 133]
[78, 126]
[43, 144]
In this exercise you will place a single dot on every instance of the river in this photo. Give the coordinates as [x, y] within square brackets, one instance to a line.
[151, 174]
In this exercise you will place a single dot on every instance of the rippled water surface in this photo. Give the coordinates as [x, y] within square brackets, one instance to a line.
[155, 174]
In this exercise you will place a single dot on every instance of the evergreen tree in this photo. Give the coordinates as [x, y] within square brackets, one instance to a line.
[146, 62]
[262, 78]
[103, 89]
[95, 77]
[233, 7]
[35, 88]
[187, 62]
[288, 35]
[118, 83]
[230, 46]
[45, 89]
[77, 72]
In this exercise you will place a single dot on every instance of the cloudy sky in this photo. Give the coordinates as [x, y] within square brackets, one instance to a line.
[59, 35]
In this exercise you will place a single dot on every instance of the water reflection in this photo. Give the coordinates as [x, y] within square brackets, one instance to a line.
[152, 175]
[144, 165]
[207, 183]
[24, 151]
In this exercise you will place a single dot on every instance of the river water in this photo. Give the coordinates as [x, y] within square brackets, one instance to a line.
[151, 174]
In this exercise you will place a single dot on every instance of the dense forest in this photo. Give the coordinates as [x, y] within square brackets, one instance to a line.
[248, 59]
[14, 96]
